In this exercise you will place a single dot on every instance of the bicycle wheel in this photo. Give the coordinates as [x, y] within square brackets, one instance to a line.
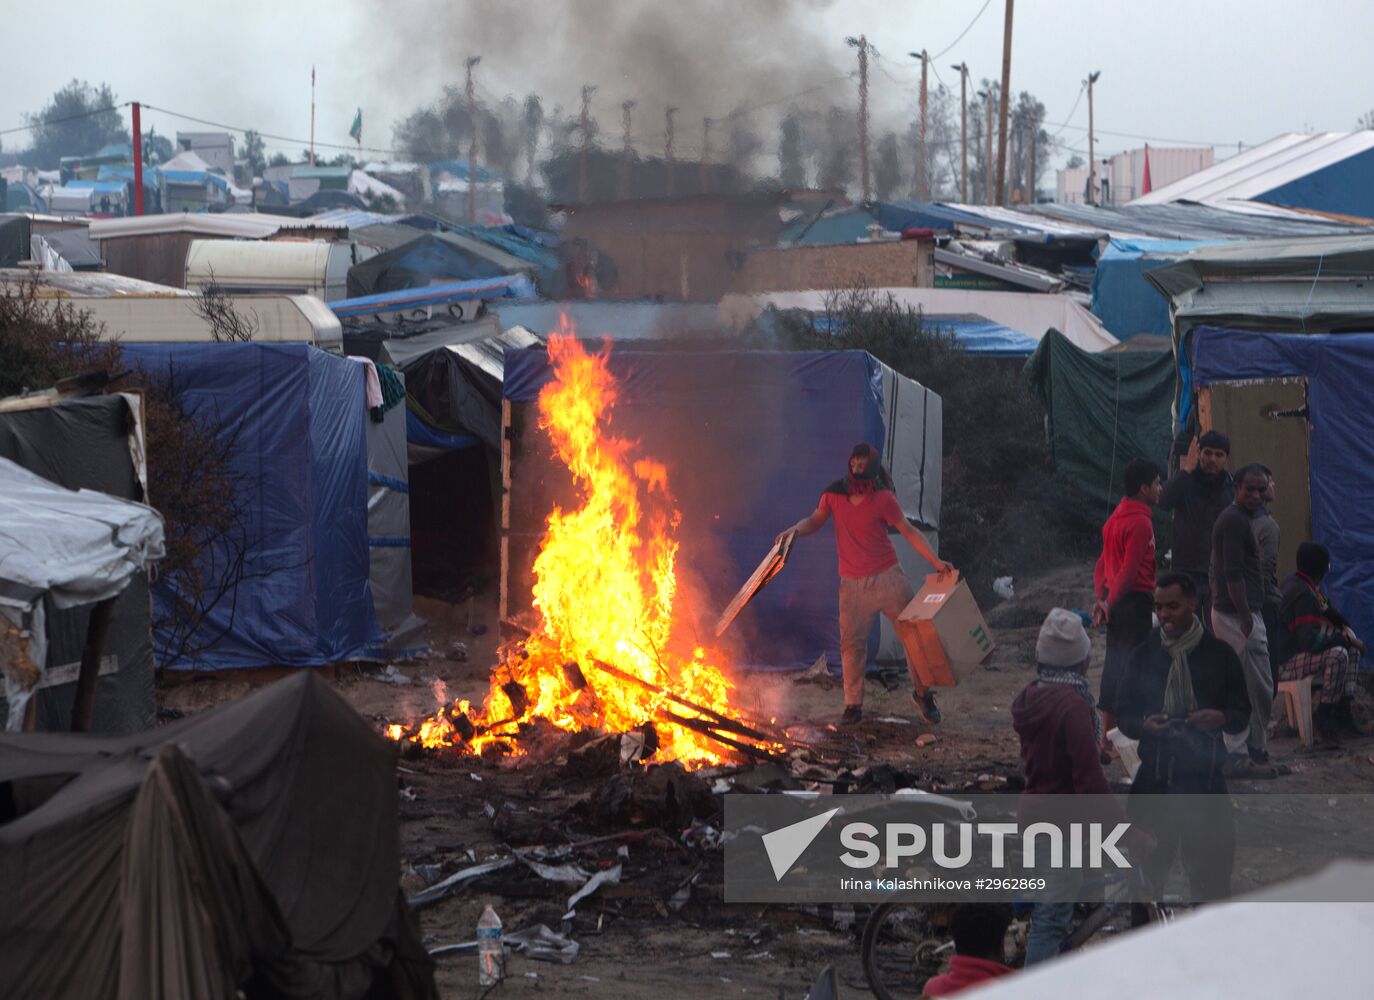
[903, 945]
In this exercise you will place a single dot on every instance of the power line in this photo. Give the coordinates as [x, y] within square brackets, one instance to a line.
[349, 147]
[964, 32]
[1082, 89]
[68, 118]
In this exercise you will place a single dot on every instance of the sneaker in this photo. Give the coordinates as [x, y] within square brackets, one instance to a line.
[925, 704]
[852, 715]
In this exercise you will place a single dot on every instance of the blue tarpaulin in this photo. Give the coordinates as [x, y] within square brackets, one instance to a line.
[750, 440]
[516, 286]
[1126, 303]
[1339, 368]
[300, 451]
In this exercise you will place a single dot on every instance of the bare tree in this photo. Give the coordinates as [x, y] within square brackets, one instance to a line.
[227, 324]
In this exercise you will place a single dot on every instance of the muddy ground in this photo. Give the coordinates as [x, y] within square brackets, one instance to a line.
[633, 941]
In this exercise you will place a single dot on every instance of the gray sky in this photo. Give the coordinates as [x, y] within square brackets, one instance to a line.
[1214, 72]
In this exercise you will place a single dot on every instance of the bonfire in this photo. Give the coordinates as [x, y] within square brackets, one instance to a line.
[604, 652]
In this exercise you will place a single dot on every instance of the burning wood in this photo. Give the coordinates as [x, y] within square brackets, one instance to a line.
[605, 593]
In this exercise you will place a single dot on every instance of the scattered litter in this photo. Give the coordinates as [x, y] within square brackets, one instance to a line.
[759, 955]
[441, 889]
[623, 851]
[537, 942]
[893, 720]
[1003, 588]
[556, 873]
[720, 954]
[408, 794]
[590, 979]
[722, 785]
[926, 739]
[610, 875]
[393, 676]
[531, 975]
[826, 986]
[458, 651]
[475, 777]
[429, 873]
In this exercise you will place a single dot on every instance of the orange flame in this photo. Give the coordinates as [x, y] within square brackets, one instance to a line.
[605, 589]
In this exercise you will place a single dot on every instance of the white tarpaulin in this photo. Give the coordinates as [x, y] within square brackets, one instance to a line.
[77, 547]
[1274, 948]
[1031, 313]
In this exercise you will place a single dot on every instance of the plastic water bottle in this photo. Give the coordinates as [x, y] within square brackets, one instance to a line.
[490, 955]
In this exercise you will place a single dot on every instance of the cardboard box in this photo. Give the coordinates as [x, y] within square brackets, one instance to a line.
[944, 632]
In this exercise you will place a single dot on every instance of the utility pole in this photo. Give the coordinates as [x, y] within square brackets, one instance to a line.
[472, 140]
[1092, 159]
[861, 43]
[587, 91]
[668, 144]
[923, 158]
[138, 158]
[1030, 162]
[705, 152]
[312, 114]
[988, 100]
[1006, 105]
[963, 128]
[627, 152]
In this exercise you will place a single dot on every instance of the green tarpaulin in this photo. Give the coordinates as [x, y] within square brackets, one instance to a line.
[1102, 410]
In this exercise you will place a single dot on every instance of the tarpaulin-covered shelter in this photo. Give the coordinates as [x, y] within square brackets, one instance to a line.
[251, 847]
[1026, 312]
[71, 549]
[1101, 411]
[300, 454]
[92, 443]
[1125, 302]
[1304, 286]
[1330, 417]
[750, 439]
[426, 259]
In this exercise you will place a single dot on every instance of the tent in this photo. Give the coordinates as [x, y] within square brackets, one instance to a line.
[975, 334]
[750, 439]
[1338, 370]
[297, 415]
[89, 443]
[1025, 312]
[1125, 302]
[255, 846]
[428, 258]
[1101, 411]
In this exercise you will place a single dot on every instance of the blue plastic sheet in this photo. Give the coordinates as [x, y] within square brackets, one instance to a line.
[1126, 303]
[750, 440]
[1339, 369]
[298, 414]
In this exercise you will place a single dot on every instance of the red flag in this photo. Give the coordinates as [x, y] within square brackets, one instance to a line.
[1145, 185]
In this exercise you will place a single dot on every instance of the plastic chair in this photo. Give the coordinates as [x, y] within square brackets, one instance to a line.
[1297, 703]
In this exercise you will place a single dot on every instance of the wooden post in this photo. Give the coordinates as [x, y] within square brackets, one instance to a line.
[503, 610]
[83, 705]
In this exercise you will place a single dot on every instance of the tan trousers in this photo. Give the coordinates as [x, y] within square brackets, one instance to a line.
[1253, 651]
[861, 601]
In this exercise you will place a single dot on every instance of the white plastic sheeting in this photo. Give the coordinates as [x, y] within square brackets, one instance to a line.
[76, 547]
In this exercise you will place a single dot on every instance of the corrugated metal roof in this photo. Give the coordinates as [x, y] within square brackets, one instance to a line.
[247, 225]
[1186, 221]
[1269, 165]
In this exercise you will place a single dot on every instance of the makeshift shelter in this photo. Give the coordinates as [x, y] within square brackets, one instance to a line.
[1126, 303]
[1332, 424]
[1026, 312]
[91, 443]
[750, 439]
[1281, 286]
[188, 184]
[212, 854]
[426, 259]
[1101, 411]
[297, 417]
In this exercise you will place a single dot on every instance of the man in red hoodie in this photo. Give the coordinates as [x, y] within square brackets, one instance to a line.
[979, 931]
[1124, 577]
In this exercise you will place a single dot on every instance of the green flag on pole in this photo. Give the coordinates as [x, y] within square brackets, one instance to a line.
[355, 131]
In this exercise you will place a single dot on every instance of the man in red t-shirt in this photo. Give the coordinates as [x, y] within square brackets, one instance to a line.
[864, 506]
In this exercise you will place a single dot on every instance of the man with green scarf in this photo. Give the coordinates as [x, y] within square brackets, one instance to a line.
[1182, 690]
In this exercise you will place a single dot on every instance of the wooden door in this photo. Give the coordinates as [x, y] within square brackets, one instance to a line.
[1267, 423]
